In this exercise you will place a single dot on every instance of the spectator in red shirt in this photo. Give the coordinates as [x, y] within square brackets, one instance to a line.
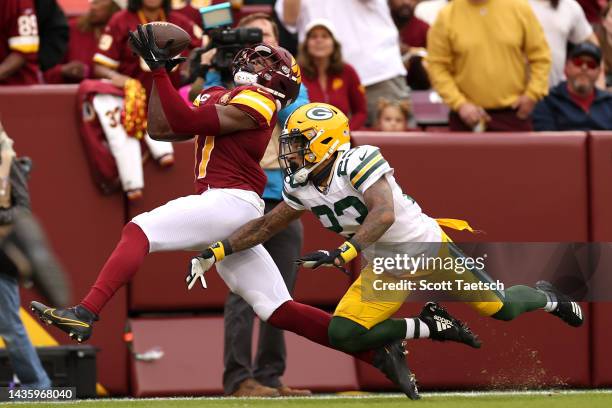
[328, 78]
[592, 9]
[189, 9]
[19, 43]
[115, 60]
[392, 116]
[412, 30]
[84, 36]
[413, 41]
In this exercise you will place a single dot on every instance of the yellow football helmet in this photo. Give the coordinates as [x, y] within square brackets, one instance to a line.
[312, 134]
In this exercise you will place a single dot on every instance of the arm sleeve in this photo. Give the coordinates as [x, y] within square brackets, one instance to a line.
[538, 55]
[439, 63]
[109, 45]
[183, 119]
[365, 166]
[258, 104]
[302, 99]
[357, 100]
[542, 117]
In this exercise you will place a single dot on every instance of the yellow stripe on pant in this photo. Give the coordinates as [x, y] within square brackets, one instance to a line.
[358, 305]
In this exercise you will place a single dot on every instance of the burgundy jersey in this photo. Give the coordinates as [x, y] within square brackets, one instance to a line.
[115, 53]
[232, 160]
[81, 47]
[187, 10]
[19, 33]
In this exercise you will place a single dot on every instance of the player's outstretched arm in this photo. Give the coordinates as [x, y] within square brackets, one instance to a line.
[185, 121]
[381, 215]
[157, 124]
[263, 228]
[253, 233]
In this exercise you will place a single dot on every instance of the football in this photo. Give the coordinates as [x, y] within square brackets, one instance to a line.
[164, 32]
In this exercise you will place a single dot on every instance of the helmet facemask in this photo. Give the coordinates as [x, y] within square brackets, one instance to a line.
[293, 151]
[296, 158]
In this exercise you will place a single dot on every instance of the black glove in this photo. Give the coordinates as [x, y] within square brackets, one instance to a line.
[322, 258]
[343, 254]
[155, 57]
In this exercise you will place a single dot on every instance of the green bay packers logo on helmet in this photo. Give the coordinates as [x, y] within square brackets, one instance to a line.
[319, 113]
[313, 133]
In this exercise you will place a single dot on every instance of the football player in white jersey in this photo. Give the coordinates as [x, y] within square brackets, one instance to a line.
[353, 192]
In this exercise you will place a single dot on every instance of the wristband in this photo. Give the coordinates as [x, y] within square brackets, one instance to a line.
[221, 249]
[349, 251]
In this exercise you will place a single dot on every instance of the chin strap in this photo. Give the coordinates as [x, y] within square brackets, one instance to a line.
[302, 174]
[323, 174]
[245, 78]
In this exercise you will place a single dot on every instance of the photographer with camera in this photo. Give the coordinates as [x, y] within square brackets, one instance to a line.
[244, 377]
[24, 256]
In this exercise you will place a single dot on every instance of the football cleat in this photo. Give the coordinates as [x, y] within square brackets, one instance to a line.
[564, 307]
[391, 360]
[444, 327]
[77, 321]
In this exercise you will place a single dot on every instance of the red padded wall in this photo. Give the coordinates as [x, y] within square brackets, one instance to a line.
[190, 368]
[516, 187]
[600, 149]
[82, 224]
[323, 286]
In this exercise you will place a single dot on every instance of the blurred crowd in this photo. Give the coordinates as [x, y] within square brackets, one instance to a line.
[499, 65]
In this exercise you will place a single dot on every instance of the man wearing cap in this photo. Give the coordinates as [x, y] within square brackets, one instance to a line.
[576, 104]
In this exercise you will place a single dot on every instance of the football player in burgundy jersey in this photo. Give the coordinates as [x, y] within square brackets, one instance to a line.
[232, 129]
[115, 60]
[18, 43]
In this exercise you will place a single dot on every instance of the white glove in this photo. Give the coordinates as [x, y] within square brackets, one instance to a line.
[199, 265]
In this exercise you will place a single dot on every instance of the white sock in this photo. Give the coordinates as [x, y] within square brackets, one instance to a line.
[551, 304]
[410, 329]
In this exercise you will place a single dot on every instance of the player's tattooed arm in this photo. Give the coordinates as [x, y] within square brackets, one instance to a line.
[381, 215]
[263, 228]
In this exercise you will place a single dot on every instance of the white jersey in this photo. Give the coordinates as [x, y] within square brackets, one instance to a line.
[342, 207]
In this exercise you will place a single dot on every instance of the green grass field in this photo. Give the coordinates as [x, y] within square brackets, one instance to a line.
[554, 399]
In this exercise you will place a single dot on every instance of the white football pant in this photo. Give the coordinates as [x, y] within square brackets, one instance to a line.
[196, 221]
[125, 149]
